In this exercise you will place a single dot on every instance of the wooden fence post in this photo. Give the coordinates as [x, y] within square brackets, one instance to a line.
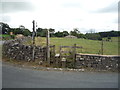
[54, 52]
[102, 47]
[74, 55]
[48, 47]
[59, 60]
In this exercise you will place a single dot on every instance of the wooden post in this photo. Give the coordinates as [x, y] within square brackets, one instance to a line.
[33, 41]
[48, 47]
[33, 34]
[53, 54]
[74, 55]
[63, 62]
[60, 52]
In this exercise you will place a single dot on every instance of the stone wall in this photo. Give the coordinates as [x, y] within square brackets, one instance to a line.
[15, 49]
[98, 62]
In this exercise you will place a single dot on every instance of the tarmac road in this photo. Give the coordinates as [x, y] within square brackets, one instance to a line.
[18, 77]
[0, 42]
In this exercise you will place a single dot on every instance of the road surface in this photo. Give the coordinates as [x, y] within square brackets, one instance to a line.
[19, 77]
[0, 42]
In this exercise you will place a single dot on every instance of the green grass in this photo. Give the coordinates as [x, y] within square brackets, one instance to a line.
[4, 35]
[89, 46]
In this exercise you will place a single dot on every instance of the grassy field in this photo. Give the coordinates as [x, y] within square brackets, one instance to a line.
[89, 46]
[114, 39]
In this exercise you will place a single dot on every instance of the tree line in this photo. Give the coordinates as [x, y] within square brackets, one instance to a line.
[6, 29]
[42, 32]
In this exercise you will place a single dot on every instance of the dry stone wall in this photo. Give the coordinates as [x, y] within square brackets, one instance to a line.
[15, 49]
[98, 62]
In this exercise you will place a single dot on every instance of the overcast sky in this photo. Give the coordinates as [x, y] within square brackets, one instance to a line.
[101, 15]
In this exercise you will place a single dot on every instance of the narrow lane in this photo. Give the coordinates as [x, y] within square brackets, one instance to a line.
[18, 77]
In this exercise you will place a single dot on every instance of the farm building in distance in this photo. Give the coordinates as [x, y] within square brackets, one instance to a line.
[70, 36]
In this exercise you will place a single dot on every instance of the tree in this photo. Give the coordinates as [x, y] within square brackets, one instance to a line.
[52, 31]
[110, 34]
[26, 32]
[74, 33]
[21, 30]
[41, 32]
[59, 34]
[93, 36]
[77, 33]
[5, 28]
[81, 35]
[76, 30]
[22, 27]
[65, 33]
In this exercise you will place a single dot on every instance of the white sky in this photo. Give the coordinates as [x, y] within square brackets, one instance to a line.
[101, 15]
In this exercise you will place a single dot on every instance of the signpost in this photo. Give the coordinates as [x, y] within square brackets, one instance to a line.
[33, 41]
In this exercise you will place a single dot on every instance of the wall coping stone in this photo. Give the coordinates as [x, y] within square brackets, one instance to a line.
[97, 55]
